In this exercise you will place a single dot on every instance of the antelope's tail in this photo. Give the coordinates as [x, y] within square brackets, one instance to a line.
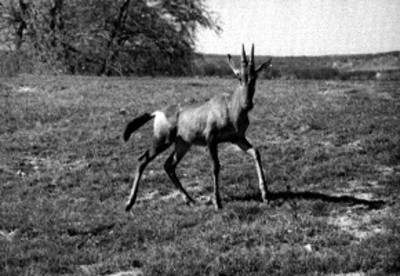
[135, 124]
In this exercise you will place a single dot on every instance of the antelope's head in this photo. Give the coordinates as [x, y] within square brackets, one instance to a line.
[247, 74]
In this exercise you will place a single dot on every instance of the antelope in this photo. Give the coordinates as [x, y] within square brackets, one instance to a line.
[223, 118]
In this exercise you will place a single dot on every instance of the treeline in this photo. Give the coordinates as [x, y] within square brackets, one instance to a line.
[102, 37]
[318, 73]
[346, 67]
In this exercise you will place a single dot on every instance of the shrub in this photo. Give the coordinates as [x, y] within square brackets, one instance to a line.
[324, 73]
[10, 63]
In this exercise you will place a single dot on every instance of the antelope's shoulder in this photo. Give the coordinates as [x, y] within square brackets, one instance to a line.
[222, 98]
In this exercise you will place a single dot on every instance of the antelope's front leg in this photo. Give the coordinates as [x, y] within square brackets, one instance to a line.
[245, 145]
[213, 148]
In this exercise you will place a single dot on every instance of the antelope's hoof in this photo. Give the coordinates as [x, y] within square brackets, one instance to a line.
[217, 205]
[265, 199]
[190, 201]
[128, 206]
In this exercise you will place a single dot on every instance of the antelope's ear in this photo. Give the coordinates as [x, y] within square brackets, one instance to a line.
[264, 65]
[233, 67]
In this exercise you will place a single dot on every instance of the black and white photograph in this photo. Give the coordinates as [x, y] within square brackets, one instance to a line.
[199, 137]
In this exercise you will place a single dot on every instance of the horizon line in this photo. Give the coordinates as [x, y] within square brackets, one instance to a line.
[305, 55]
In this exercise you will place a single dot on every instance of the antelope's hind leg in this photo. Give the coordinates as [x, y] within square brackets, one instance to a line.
[159, 145]
[181, 148]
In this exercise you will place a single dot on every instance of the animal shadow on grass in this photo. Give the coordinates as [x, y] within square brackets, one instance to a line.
[288, 196]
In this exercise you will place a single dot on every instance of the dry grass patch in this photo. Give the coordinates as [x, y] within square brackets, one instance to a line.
[332, 163]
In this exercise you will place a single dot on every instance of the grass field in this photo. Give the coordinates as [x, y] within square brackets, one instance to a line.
[330, 150]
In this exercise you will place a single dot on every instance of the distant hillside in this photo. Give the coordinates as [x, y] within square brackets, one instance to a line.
[366, 66]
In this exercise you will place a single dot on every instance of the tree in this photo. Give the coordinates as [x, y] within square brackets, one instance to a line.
[110, 36]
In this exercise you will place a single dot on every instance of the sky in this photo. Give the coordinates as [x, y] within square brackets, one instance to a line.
[303, 27]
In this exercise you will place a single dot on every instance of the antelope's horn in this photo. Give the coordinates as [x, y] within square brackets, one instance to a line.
[252, 57]
[244, 59]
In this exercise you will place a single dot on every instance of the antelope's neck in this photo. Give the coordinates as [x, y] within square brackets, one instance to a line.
[242, 100]
[241, 104]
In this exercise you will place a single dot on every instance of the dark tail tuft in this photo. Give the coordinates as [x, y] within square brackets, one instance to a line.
[135, 124]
